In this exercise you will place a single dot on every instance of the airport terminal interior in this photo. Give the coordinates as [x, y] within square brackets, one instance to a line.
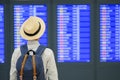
[83, 34]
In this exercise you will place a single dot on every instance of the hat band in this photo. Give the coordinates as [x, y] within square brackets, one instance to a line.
[35, 32]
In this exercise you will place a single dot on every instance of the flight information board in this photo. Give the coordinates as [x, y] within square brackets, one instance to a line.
[73, 33]
[1, 34]
[110, 33]
[21, 13]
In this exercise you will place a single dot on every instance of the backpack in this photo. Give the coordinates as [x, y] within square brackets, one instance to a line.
[32, 68]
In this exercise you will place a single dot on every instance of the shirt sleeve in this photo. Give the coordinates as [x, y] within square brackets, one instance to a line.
[13, 71]
[51, 67]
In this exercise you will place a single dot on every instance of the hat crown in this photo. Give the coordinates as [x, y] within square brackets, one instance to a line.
[31, 26]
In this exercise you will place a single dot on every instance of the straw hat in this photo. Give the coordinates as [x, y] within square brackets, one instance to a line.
[33, 28]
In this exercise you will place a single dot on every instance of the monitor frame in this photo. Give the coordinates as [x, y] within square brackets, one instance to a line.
[64, 67]
[103, 68]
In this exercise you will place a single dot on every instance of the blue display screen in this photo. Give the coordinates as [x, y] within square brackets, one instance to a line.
[73, 33]
[110, 33]
[21, 13]
[2, 34]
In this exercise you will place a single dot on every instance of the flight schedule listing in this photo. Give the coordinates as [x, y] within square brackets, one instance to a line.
[21, 13]
[73, 33]
[110, 33]
[2, 34]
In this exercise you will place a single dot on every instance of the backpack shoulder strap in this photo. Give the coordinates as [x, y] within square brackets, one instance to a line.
[40, 50]
[24, 49]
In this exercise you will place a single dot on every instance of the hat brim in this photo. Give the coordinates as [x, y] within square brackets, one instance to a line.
[38, 35]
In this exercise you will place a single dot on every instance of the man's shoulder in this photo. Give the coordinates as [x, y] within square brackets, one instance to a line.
[48, 51]
[17, 49]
